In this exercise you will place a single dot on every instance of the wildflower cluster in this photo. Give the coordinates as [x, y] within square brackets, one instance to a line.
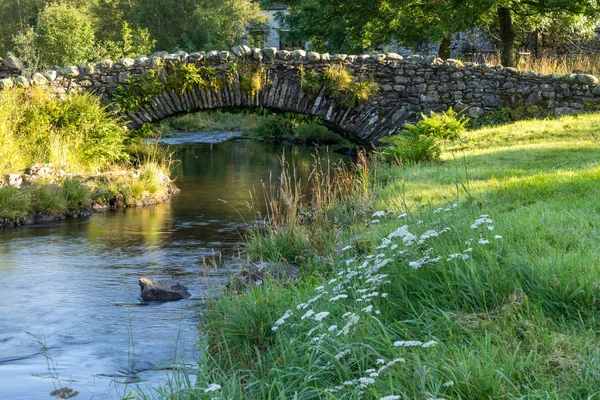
[333, 321]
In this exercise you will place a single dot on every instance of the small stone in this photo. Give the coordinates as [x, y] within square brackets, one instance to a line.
[393, 56]
[283, 55]
[141, 61]
[13, 63]
[6, 83]
[533, 98]
[269, 52]
[587, 79]
[238, 51]
[298, 54]
[212, 55]
[127, 62]
[560, 111]
[314, 57]
[339, 57]
[224, 56]
[22, 82]
[50, 75]
[39, 79]
[325, 57]
[106, 64]
[512, 71]
[454, 63]
[475, 112]
[415, 58]
[69, 72]
[492, 100]
[162, 290]
[257, 54]
[197, 56]
[15, 180]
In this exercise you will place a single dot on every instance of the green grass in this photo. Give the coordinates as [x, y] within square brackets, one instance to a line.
[518, 318]
[78, 136]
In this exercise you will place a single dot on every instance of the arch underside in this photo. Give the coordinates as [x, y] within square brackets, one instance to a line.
[365, 122]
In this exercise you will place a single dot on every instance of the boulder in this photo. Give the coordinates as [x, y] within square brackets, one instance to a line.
[162, 290]
[13, 63]
[255, 274]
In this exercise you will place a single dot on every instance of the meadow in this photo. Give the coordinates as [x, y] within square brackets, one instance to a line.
[475, 276]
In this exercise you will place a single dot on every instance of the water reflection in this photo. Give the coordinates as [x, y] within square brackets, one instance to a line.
[74, 283]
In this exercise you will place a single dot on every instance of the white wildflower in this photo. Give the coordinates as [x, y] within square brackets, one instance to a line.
[490, 228]
[213, 387]
[281, 320]
[407, 343]
[368, 308]
[378, 214]
[403, 215]
[332, 328]
[342, 354]
[483, 241]
[308, 314]
[497, 237]
[429, 344]
[391, 397]
[448, 384]
[380, 361]
[339, 296]
[346, 248]
[375, 221]
[321, 315]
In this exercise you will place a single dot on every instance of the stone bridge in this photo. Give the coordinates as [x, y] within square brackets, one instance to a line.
[293, 82]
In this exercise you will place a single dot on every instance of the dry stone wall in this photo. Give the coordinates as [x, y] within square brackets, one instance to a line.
[407, 87]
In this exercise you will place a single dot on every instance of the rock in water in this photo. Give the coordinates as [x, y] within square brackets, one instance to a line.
[162, 290]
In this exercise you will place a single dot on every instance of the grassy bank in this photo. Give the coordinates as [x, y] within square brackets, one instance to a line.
[64, 157]
[474, 277]
[261, 125]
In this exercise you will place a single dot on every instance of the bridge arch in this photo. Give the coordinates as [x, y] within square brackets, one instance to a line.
[295, 82]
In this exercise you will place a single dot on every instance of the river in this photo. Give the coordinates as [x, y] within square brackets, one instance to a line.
[70, 312]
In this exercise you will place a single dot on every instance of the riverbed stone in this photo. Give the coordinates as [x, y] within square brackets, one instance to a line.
[162, 290]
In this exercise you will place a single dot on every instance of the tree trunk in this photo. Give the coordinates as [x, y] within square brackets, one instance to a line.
[507, 35]
[444, 51]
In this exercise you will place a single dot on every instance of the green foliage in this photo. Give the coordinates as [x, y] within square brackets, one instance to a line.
[132, 43]
[410, 147]
[314, 132]
[338, 84]
[182, 77]
[252, 78]
[138, 92]
[222, 23]
[420, 142]
[25, 48]
[276, 127]
[64, 35]
[75, 132]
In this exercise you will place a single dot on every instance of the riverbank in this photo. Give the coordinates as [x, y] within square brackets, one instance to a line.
[66, 158]
[474, 277]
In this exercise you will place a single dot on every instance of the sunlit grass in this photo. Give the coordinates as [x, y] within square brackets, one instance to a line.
[510, 298]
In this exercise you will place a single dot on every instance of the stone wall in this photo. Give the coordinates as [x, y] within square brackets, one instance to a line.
[407, 87]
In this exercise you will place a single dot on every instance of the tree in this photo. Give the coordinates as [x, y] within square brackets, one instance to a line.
[64, 35]
[223, 23]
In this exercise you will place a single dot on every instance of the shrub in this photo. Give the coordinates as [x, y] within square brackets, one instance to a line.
[314, 132]
[410, 148]
[447, 125]
[420, 142]
[64, 35]
[137, 92]
[276, 127]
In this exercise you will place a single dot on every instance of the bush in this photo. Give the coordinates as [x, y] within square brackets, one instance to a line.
[447, 125]
[314, 132]
[410, 148]
[276, 127]
[64, 35]
[421, 142]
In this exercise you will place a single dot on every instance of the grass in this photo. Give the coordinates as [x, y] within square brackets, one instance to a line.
[581, 63]
[92, 157]
[510, 310]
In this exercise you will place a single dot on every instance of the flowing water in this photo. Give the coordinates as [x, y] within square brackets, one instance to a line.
[70, 312]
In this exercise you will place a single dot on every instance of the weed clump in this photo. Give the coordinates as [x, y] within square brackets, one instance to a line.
[421, 142]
